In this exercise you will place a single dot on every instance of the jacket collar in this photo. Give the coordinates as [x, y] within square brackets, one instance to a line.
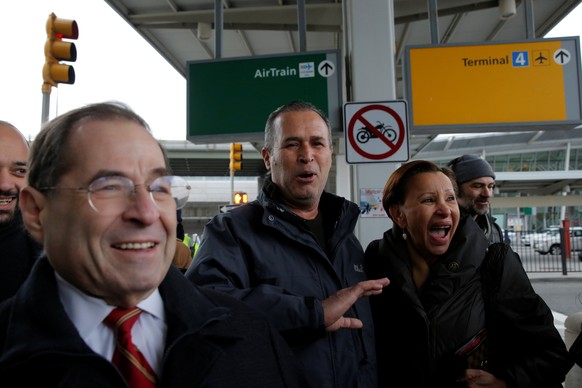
[38, 322]
[465, 253]
[189, 310]
[337, 210]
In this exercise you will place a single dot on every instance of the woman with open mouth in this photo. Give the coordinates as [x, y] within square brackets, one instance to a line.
[458, 312]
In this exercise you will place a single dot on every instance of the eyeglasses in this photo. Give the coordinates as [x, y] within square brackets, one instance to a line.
[110, 195]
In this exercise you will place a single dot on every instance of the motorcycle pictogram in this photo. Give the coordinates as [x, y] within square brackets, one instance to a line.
[364, 134]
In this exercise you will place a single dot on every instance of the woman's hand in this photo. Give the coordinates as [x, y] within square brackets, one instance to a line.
[475, 378]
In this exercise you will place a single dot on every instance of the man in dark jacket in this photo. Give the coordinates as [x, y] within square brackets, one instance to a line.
[102, 201]
[476, 181]
[292, 254]
[18, 250]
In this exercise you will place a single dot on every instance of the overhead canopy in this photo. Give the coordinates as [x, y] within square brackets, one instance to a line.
[183, 30]
[260, 27]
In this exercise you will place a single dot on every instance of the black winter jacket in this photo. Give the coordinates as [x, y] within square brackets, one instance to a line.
[265, 255]
[212, 341]
[418, 332]
[18, 253]
[491, 229]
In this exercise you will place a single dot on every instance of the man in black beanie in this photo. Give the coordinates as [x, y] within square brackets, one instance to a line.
[476, 181]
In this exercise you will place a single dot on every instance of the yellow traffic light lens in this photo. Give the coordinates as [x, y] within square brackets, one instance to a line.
[54, 73]
[65, 28]
[235, 166]
[61, 28]
[65, 51]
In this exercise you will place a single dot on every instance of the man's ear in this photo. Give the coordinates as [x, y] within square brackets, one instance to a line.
[397, 216]
[266, 158]
[32, 203]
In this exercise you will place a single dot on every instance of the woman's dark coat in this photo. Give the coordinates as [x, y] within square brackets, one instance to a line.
[418, 332]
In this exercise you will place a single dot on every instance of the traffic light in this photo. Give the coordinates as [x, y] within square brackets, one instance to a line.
[240, 198]
[235, 157]
[56, 50]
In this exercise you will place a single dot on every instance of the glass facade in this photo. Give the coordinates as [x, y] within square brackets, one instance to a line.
[537, 161]
[536, 218]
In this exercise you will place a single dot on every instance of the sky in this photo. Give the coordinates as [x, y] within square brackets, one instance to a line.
[113, 63]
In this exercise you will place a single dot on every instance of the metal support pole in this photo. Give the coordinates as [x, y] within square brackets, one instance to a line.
[563, 236]
[231, 187]
[530, 30]
[433, 19]
[46, 100]
[218, 28]
[301, 25]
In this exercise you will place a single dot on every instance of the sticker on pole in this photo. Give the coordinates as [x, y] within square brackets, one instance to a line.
[376, 132]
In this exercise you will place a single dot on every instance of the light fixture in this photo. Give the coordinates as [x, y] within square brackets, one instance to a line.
[507, 9]
[204, 31]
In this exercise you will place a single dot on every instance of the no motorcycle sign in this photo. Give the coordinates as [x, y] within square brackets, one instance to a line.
[376, 132]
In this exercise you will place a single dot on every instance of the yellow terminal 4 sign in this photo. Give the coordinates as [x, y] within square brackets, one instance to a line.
[534, 82]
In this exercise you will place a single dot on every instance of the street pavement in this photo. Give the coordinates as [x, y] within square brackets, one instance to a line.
[562, 293]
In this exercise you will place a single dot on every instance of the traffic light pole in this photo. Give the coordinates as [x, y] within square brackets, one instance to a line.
[55, 50]
[46, 101]
[231, 187]
[235, 164]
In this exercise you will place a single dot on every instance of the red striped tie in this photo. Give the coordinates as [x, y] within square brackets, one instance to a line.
[127, 357]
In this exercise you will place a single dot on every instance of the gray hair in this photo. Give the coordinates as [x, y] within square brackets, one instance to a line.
[294, 106]
[49, 155]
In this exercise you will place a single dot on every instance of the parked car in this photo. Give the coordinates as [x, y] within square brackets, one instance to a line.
[550, 242]
[527, 238]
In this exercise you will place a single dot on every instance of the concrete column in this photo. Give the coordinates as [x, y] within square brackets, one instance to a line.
[370, 43]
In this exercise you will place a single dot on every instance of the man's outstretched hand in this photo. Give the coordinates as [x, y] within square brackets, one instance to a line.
[336, 305]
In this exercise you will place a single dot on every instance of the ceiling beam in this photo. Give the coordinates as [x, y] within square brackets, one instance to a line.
[320, 17]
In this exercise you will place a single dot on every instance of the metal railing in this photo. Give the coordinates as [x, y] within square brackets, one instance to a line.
[554, 260]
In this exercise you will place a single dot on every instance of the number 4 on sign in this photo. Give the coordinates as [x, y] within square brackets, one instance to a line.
[520, 58]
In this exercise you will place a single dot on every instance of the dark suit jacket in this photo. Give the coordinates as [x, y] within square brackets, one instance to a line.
[212, 341]
[18, 253]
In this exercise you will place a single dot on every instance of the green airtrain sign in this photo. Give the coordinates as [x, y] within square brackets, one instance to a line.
[230, 99]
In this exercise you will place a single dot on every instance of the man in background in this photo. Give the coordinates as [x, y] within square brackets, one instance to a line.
[476, 181]
[18, 250]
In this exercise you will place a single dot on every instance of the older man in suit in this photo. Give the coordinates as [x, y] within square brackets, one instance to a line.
[104, 307]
